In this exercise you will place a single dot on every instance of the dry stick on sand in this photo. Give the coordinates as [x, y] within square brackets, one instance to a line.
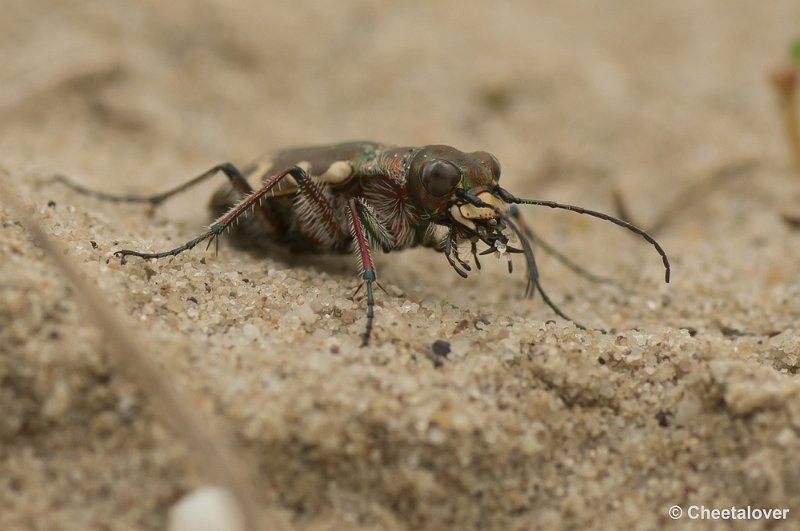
[689, 196]
[214, 452]
[785, 81]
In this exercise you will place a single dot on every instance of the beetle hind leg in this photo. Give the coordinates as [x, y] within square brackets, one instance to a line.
[236, 213]
[317, 215]
[230, 171]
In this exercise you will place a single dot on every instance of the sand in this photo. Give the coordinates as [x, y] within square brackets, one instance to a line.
[528, 423]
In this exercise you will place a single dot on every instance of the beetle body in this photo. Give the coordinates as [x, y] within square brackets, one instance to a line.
[361, 196]
[385, 178]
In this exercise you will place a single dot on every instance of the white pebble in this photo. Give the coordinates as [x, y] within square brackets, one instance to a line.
[206, 509]
[305, 313]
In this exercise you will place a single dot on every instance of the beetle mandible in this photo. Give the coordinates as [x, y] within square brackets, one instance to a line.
[359, 196]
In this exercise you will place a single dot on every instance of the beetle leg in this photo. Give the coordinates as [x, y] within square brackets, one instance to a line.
[552, 251]
[316, 213]
[460, 260]
[361, 248]
[233, 174]
[474, 251]
[449, 246]
[222, 223]
[533, 276]
[377, 233]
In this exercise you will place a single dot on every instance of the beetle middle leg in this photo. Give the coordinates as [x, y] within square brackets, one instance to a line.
[321, 218]
[360, 232]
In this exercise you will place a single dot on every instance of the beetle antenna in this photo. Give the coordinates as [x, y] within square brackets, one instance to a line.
[466, 196]
[508, 197]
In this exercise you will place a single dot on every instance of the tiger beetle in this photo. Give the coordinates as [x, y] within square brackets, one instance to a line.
[359, 196]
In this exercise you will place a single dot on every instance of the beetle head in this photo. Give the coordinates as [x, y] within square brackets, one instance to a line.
[439, 177]
[461, 191]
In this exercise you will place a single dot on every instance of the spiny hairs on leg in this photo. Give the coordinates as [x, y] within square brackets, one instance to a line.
[362, 252]
[242, 208]
[316, 214]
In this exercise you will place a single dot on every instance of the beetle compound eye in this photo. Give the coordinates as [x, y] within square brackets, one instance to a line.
[440, 177]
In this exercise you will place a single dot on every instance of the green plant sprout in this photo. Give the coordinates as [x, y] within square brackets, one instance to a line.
[794, 52]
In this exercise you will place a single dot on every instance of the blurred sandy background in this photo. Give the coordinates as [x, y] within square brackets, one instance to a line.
[528, 424]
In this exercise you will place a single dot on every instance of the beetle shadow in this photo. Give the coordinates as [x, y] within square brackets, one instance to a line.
[343, 264]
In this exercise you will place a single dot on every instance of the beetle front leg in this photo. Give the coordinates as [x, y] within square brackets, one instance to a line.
[451, 250]
[534, 284]
[552, 251]
[368, 275]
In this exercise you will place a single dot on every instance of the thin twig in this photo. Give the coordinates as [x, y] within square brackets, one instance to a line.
[791, 220]
[621, 206]
[700, 191]
[785, 82]
[689, 196]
